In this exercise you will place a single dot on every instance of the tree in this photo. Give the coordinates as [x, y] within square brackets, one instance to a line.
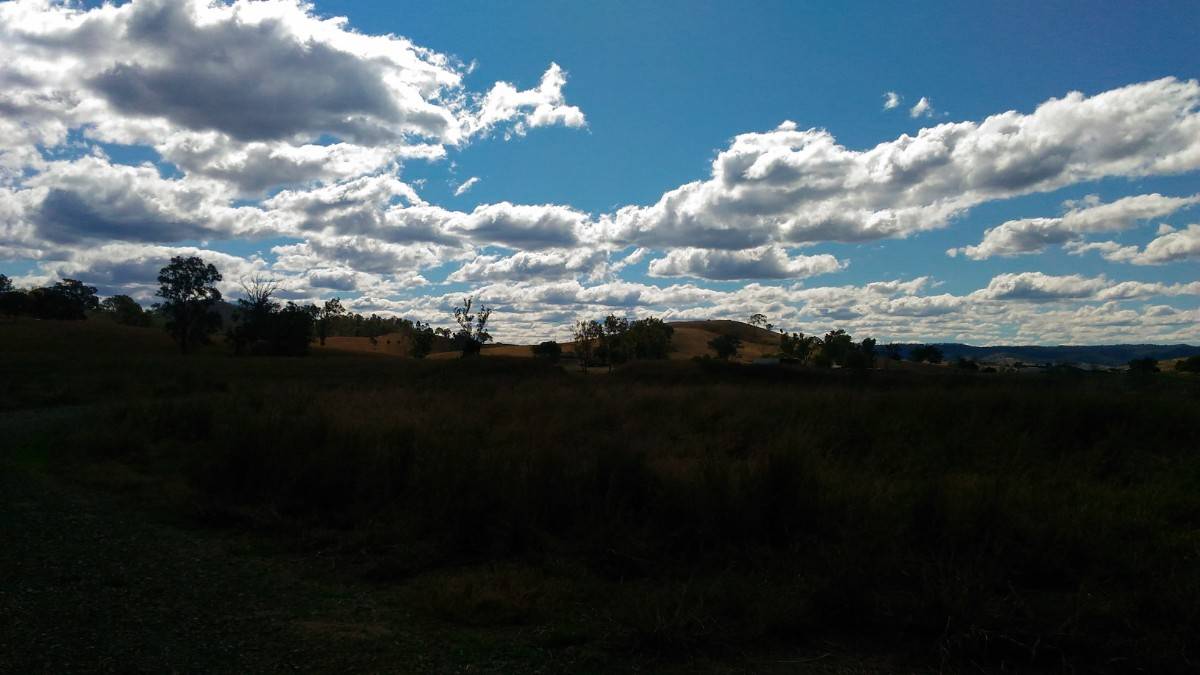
[612, 339]
[6, 285]
[54, 303]
[861, 355]
[726, 346]
[420, 340]
[78, 293]
[585, 334]
[1189, 365]
[758, 320]
[14, 303]
[892, 351]
[330, 311]
[925, 353]
[472, 327]
[797, 345]
[836, 347]
[125, 310]
[1143, 366]
[648, 338]
[188, 289]
[549, 350]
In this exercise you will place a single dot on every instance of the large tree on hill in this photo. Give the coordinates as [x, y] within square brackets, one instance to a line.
[472, 327]
[189, 292]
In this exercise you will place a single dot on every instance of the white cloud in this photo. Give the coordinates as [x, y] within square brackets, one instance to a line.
[246, 92]
[466, 186]
[922, 108]
[794, 186]
[891, 100]
[1170, 246]
[527, 265]
[1032, 235]
[766, 262]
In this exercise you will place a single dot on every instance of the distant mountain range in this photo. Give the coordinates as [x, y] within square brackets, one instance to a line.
[1101, 355]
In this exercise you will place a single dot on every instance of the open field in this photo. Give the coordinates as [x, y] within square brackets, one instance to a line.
[348, 511]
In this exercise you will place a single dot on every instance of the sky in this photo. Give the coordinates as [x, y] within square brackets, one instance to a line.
[990, 173]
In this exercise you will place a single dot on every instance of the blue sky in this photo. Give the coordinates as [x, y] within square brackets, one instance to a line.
[645, 99]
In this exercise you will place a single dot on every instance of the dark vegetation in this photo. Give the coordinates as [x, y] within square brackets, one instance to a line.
[617, 340]
[946, 517]
[940, 516]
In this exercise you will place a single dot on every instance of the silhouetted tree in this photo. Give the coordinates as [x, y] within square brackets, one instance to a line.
[472, 327]
[861, 355]
[585, 334]
[6, 285]
[1143, 366]
[330, 312]
[612, 340]
[725, 346]
[188, 289]
[125, 310]
[549, 350]
[78, 293]
[758, 319]
[925, 353]
[964, 363]
[420, 340]
[14, 303]
[836, 347]
[892, 351]
[648, 338]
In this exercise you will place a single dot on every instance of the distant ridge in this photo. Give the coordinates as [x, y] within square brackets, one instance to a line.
[1102, 355]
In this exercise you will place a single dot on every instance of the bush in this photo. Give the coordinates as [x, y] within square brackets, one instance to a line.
[549, 350]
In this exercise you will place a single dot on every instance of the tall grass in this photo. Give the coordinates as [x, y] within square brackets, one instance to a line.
[1023, 519]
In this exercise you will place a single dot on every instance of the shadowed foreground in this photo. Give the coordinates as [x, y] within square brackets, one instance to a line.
[367, 513]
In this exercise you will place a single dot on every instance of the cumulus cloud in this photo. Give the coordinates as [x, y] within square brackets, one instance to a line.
[1039, 287]
[528, 265]
[531, 108]
[246, 92]
[891, 100]
[766, 262]
[1170, 246]
[922, 108]
[91, 199]
[792, 186]
[465, 186]
[1032, 235]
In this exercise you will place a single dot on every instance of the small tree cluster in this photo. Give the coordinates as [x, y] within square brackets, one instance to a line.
[125, 310]
[617, 340]
[69, 299]
[264, 327]
[549, 350]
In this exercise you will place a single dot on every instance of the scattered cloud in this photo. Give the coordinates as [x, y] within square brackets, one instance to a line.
[1032, 235]
[766, 262]
[891, 100]
[465, 187]
[922, 108]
